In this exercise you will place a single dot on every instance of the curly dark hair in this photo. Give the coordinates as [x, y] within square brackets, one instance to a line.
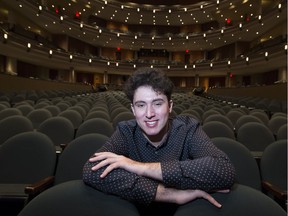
[155, 78]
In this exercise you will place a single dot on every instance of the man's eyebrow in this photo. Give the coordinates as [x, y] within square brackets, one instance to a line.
[155, 100]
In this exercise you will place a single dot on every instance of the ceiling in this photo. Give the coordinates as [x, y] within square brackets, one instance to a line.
[150, 14]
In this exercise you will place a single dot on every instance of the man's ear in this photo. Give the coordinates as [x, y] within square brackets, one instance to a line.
[170, 106]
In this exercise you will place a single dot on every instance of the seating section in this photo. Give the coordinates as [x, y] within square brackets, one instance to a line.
[81, 122]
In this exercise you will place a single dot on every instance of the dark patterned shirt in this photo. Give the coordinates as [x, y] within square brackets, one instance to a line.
[188, 158]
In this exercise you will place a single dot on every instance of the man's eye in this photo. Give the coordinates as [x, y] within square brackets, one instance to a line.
[158, 104]
[140, 105]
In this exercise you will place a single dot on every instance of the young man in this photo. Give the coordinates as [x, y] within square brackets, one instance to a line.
[156, 158]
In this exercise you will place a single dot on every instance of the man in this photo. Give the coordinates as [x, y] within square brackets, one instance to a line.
[154, 159]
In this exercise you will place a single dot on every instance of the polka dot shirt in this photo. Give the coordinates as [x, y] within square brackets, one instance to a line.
[189, 160]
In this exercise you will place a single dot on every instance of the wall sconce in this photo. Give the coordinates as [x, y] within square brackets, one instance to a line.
[194, 66]
[28, 47]
[204, 35]
[266, 56]
[71, 58]
[39, 9]
[90, 61]
[117, 64]
[61, 19]
[211, 65]
[168, 67]
[229, 63]
[81, 26]
[134, 65]
[285, 48]
[50, 53]
[185, 66]
[279, 7]
[222, 32]
[240, 26]
[108, 63]
[247, 60]
[260, 18]
[5, 36]
[151, 66]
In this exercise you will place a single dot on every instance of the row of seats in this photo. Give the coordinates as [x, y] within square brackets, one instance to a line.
[29, 161]
[35, 95]
[101, 108]
[269, 105]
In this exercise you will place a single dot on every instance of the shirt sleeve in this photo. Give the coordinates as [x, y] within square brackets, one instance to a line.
[206, 167]
[119, 181]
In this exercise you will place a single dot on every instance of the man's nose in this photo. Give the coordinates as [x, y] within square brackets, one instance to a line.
[150, 112]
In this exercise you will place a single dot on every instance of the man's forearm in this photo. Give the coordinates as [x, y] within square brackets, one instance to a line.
[151, 170]
[180, 197]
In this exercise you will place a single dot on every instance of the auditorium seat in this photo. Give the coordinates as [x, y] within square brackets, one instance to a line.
[79, 109]
[98, 114]
[255, 136]
[74, 116]
[245, 119]
[76, 198]
[276, 122]
[123, 116]
[25, 108]
[208, 113]
[221, 118]
[273, 166]
[234, 115]
[242, 200]
[282, 132]
[13, 125]
[37, 116]
[10, 111]
[246, 167]
[25, 159]
[59, 129]
[218, 129]
[116, 111]
[74, 156]
[262, 116]
[53, 109]
[95, 125]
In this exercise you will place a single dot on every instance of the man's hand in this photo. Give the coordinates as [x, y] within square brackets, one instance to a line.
[114, 161]
[184, 196]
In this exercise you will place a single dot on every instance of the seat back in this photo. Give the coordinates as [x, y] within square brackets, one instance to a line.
[37, 116]
[242, 200]
[95, 125]
[247, 171]
[74, 116]
[255, 136]
[273, 164]
[26, 158]
[13, 125]
[75, 155]
[244, 119]
[59, 129]
[218, 129]
[123, 116]
[276, 122]
[76, 198]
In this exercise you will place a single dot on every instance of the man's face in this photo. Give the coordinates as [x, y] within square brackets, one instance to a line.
[151, 110]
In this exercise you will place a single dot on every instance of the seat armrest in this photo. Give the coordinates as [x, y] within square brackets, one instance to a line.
[36, 188]
[274, 190]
